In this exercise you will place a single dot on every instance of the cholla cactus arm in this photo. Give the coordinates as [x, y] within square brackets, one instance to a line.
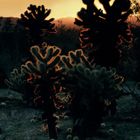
[36, 53]
[66, 61]
[83, 58]
[30, 67]
[43, 61]
[74, 58]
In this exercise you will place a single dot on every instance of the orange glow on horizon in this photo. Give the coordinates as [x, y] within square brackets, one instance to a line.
[60, 8]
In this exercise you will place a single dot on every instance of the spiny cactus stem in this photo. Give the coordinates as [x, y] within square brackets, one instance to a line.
[51, 121]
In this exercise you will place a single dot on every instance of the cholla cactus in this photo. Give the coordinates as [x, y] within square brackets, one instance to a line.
[46, 75]
[94, 92]
[43, 74]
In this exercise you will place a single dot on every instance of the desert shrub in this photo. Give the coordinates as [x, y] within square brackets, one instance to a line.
[18, 81]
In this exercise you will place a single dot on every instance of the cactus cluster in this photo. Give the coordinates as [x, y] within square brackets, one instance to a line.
[89, 90]
[87, 84]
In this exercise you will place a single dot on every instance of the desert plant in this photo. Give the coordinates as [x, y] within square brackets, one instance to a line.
[34, 20]
[16, 80]
[103, 32]
[94, 92]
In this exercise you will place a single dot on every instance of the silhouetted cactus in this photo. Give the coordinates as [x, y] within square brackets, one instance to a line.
[34, 20]
[94, 92]
[104, 32]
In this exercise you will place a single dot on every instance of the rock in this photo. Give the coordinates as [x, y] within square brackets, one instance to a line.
[138, 138]
[75, 138]
[3, 104]
[103, 125]
[66, 117]
[69, 131]
[69, 137]
[11, 96]
[33, 120]
[111, 131]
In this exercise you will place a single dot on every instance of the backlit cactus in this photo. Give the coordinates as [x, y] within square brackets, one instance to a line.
[45, 58]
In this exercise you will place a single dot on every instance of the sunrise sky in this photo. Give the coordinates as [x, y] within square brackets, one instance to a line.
[60, 8]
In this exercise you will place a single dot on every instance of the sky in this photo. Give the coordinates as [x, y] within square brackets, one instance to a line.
[60, 8]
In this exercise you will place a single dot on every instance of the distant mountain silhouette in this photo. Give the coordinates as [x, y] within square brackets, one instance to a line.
[3, 20]
[67, 21]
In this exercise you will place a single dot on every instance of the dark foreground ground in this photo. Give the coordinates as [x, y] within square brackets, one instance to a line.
[19, 122]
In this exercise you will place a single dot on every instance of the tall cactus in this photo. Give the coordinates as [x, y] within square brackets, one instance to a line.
[47, 74]
[34, 20]
[103, 32]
